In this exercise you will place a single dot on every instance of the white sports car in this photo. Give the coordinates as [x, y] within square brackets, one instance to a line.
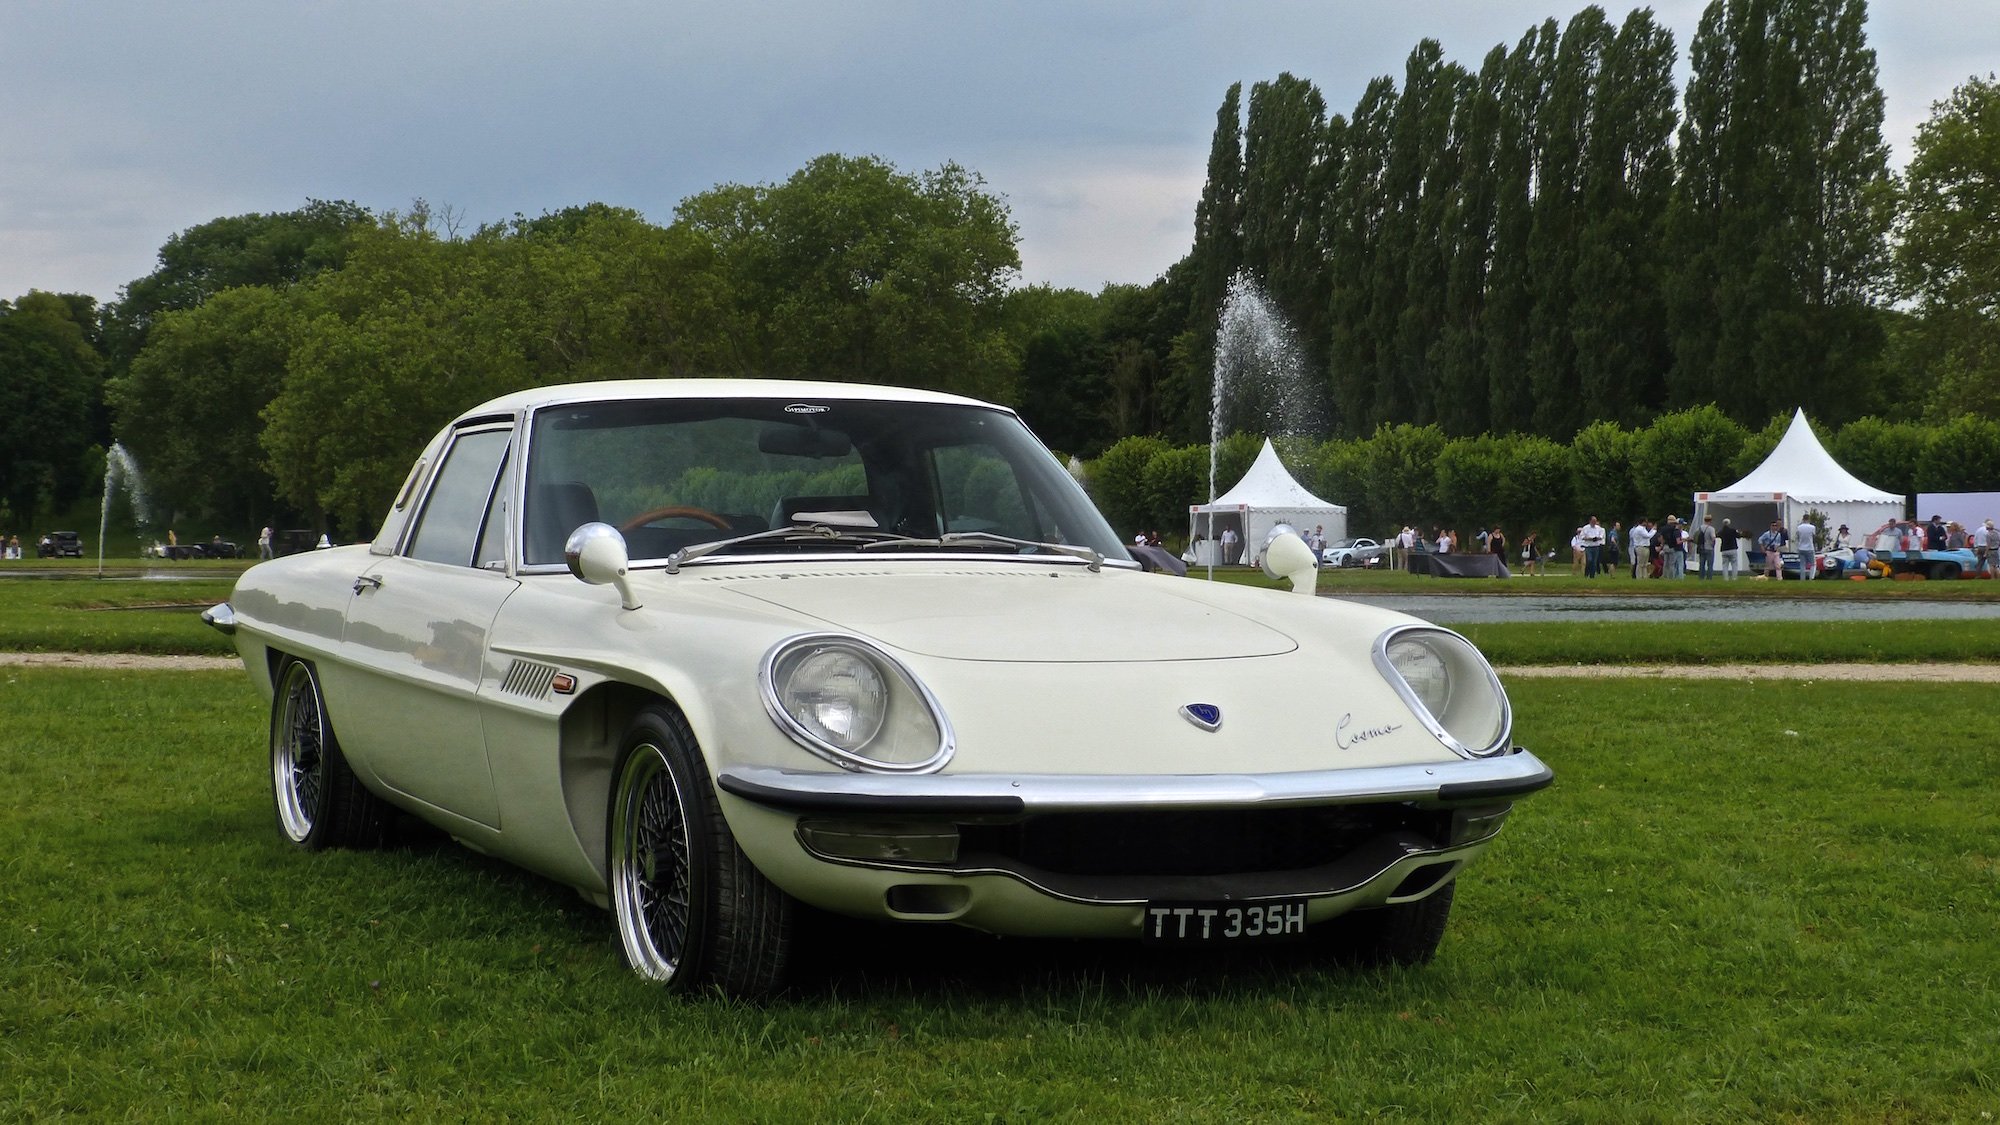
[705, 650]
[1354, 552]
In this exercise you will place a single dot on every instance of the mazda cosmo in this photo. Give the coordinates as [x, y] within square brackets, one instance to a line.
[709, 650]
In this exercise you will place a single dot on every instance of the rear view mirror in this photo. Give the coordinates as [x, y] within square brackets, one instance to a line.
[801, 441]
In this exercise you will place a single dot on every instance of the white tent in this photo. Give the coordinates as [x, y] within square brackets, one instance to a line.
[1799, 476]
[1265, 497]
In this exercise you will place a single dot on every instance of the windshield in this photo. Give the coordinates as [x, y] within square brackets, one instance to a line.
[674, 473]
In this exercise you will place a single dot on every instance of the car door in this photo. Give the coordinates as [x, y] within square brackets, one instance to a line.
[415, 642]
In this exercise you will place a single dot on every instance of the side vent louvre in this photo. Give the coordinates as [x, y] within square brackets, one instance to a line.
[528, 678]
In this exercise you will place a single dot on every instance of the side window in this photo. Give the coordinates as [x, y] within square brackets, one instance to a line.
[448, 528]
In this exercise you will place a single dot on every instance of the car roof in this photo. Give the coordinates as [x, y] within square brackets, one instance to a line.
[621, 389]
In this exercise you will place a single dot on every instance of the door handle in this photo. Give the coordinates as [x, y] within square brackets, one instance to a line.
[367, 582]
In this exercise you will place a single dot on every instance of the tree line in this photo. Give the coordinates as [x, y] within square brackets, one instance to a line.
[1521, 254]
[1421, 476]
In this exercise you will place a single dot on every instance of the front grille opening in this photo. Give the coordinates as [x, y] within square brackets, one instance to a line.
[1194, 841]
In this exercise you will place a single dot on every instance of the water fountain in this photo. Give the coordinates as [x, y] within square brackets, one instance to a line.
[119, 468]
[1260, 377]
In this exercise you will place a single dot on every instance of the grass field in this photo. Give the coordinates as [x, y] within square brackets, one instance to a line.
[162, 616]
[1740, 901]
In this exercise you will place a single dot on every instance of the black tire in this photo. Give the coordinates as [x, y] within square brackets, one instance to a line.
[320, 803]
[688, 908]
[1944, 572]
[1407, 933]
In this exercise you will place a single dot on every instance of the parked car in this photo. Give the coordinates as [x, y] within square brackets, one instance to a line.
[215, 548]
[707, 650]
[292, 541]
[60, 545]
[1354, 552]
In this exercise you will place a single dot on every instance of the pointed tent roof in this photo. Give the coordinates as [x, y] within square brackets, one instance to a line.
[1268, 485]
[1801, 468]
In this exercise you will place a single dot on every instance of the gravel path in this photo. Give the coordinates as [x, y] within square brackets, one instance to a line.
[1940, 673]
[118, 660]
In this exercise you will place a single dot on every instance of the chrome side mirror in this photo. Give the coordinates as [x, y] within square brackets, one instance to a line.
[1287, 557]
[596, 554]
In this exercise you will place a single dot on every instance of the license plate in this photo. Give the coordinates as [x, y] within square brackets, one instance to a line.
[1223, 923]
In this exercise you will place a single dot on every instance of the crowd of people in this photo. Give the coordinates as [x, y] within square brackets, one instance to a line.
[1665, 548]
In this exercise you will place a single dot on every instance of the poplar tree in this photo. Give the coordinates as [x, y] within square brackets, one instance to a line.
[1509, 289]
[1559, 216]
[1618, 320]
[1357, 215]
[1780, 216]
[1459, 353]
[1282, 199]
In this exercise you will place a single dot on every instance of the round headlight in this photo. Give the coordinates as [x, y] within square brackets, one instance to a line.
[837, 695]
[1449, 686]
[853, 705]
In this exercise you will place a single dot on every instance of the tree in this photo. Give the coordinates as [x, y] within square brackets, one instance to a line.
[1779, 217]
[1601, 471]
[1681, 452]
[1283, 195]
[189, 408]
[1560, 212]
[1510, 292]
[1948, 257]
[853, 270]
[1617, 319]
[410, 332]
[1063, 386]
[1357, 343]
[49, 384]
[272, 250]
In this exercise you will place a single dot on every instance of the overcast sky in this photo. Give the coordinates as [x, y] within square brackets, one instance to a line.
[126, 121]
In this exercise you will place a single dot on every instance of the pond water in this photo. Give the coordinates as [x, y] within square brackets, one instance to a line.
[1479, 609]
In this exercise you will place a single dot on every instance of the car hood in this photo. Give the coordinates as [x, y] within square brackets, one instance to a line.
[1064, 615]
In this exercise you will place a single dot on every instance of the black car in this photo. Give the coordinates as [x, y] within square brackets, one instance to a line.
[60, 545]
[294, 541]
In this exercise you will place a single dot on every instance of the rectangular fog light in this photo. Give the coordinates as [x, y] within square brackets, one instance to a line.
[879, 841]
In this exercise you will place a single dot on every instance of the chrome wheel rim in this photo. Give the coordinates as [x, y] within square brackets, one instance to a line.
[652, 880]
[298, 753]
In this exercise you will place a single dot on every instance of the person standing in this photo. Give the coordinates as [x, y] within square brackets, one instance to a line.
[1673, 542]
[1729, 546]
[1704, 547]
[264, 542]
[1934, 534]
[1642, 545]
[1531, 559]
[1496, 545]
[1772, 543]
[1805, 540]
[1229, 542]
[1592, 537]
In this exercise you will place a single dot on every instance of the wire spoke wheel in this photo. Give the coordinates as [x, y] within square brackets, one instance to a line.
[652, 874]
[298, 753]
[689, 908]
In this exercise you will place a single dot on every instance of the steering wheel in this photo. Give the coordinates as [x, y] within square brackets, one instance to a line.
[686, 511]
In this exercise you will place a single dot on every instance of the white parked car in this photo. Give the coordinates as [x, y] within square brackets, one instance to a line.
[1354, 552]
[706, 650]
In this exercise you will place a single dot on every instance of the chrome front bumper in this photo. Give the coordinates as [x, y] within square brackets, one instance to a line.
[1501, 778]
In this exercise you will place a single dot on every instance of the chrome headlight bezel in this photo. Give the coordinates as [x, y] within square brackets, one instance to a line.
[1476, 719]
[908, 701]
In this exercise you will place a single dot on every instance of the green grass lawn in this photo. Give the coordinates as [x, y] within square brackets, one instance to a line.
[1740, 901]
[87, 615]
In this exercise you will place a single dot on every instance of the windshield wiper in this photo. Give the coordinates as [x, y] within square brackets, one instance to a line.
[792, 531]
[989, 539]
